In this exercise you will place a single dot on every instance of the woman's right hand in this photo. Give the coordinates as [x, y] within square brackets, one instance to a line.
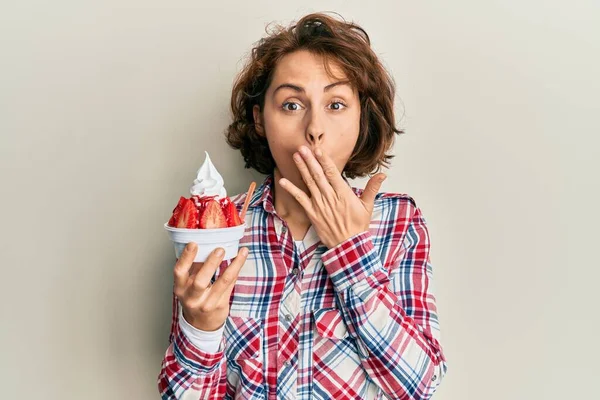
[205, 306]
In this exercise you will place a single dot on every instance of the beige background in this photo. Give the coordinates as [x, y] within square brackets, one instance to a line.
[106, 109]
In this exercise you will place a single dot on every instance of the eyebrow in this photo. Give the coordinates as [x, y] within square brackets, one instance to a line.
[300, 89]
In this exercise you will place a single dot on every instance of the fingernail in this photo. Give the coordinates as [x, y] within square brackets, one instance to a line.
[318, 152]
[219, 252]
[384, 178]
[190, 246]
[244, 251]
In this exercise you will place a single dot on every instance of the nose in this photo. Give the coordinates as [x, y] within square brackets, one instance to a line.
[315, 138]
[315, 133]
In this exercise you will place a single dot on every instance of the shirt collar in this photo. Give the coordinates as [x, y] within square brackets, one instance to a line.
[264, 195]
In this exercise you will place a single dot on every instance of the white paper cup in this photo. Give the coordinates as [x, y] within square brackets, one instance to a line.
[208, 240]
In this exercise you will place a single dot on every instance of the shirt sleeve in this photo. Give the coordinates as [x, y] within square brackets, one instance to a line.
[188, 369]
[209, 342]
[391, 312]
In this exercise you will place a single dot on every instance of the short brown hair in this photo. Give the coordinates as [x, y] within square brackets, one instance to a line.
[349, 46]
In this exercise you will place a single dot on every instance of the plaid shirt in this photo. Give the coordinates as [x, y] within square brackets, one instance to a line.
[356, 321]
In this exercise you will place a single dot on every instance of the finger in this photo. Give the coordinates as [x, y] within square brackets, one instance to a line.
[371, 190]
[298, 194]
[201, 281]
[316, 171]
[226, 281]
[195, 268]
[311, 184]
[331, 171]
[181, 271]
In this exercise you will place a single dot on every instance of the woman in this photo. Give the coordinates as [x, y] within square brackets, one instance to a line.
[329, 296]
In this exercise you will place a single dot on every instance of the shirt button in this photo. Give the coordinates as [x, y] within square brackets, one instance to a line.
[295, 271]
[283, 229]
[288, 317]
[433, 378]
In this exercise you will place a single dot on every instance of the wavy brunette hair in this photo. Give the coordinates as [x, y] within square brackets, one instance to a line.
[347, 45]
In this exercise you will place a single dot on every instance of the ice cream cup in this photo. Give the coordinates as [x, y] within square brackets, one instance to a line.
[208, 240]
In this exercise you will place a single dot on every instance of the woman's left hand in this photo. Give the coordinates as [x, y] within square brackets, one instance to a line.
[335, 211]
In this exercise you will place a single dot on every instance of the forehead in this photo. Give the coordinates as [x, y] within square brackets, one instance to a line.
[303, 67]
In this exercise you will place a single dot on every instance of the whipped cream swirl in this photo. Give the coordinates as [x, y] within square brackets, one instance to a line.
[208, 182]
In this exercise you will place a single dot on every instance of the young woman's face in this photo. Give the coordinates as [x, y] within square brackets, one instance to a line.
[306, 106]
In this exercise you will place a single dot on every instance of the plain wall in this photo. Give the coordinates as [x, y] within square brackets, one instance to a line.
[106, 109]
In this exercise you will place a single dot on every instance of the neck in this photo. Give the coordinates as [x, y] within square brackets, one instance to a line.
[286, 206]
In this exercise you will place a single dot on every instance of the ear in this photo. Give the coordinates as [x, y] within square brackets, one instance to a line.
[258, 123]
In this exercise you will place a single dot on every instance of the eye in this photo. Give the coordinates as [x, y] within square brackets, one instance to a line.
[337, 105]
[291, 106]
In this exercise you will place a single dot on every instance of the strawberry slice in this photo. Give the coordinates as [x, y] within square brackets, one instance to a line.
[177, 212]
[212, 216]
[233, 218]
[188, 216]
[224, 203]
